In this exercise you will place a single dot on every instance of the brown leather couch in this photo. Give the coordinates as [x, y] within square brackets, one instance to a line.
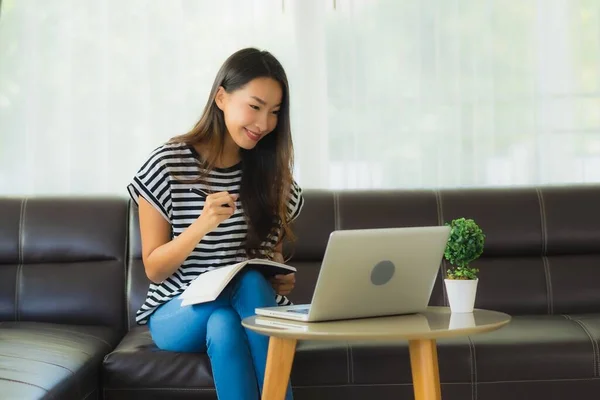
[71, 279]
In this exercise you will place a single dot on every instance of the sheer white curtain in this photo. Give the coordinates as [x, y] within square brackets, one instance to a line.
[385, 94]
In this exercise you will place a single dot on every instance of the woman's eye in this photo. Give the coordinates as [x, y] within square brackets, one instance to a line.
[254, 107]
[276, 112]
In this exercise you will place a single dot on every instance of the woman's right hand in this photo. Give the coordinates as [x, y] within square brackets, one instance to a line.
[217, 208]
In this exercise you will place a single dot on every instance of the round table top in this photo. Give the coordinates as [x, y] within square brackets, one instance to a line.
[434, 323]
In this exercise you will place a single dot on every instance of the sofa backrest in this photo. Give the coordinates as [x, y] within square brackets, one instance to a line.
[542, 250]
[62, 260]
[325, 211]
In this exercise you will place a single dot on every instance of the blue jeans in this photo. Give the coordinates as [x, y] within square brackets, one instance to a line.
[237, 355]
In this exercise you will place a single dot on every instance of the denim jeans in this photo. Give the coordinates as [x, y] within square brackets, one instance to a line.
[238, 356]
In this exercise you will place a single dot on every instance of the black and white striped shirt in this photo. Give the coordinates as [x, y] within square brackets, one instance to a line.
[158, 181]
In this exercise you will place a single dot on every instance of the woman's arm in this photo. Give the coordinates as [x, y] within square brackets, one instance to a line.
[278, 253]
[161, 255]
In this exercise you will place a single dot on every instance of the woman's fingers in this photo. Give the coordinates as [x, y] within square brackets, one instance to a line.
[223, 200]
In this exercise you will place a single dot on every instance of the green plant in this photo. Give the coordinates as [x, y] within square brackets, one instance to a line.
[464, 245]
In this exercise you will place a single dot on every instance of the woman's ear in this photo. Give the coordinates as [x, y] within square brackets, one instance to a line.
[220, 98]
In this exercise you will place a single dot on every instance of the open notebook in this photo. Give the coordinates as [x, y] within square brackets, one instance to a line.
[209, 285]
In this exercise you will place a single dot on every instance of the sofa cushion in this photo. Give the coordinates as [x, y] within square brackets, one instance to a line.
[138, 369]
[43, 360]
[58, 256]
[137, 363]
[529, 349]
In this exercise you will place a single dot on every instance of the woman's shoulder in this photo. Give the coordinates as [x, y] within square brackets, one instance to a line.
[170, 154]
[170, 149]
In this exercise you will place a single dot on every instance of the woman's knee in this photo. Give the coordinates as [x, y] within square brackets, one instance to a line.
[253, 280]
[182, 329]
[224, 329]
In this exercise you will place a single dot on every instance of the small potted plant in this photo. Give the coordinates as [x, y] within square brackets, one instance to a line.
[465, 244]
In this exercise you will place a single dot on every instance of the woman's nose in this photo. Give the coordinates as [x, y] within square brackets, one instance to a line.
[261, 122]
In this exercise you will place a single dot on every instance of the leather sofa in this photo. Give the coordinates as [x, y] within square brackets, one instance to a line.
[62, 294]
[71, 279]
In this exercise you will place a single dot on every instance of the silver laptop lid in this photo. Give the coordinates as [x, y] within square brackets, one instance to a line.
[374, 272]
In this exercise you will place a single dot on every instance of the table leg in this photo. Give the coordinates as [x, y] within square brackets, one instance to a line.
[425, 369]
[279, 366]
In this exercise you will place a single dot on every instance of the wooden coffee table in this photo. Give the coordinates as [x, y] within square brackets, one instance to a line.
[421, 330]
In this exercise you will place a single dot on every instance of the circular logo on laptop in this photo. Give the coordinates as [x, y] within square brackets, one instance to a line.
[382, 272]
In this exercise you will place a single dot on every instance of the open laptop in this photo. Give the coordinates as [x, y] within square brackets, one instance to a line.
[371, 273]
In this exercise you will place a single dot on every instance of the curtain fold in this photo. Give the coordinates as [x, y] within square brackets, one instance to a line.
[384, 93]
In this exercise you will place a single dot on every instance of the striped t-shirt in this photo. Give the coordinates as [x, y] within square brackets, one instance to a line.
[159, 182]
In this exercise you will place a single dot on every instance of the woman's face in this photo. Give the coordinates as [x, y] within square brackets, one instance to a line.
[251, 112]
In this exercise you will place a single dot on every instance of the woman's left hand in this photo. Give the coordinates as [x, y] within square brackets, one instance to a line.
[283, 284]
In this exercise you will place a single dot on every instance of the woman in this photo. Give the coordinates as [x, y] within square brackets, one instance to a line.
[240, 155]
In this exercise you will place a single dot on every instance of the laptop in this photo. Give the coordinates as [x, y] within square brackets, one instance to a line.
[281, 324]
[372, 273]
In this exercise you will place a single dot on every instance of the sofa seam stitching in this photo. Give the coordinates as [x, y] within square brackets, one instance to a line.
[471, 358]
[351, 364]
[126, 389]
[545, 250]
[21, 228]
[440, 217]
[549, 284]
[336, 211]
[594, 345]
[543, 221]
[348, 361]
[39, 361]
[21, 259]
[89, 394]
[24, 383]
[547, 260]
[128, 260]
[473, 369]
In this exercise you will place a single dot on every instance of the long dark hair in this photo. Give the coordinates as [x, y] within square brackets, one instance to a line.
[267, 168]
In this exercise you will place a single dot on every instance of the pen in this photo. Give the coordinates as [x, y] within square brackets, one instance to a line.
[204, 194]
[199, 191]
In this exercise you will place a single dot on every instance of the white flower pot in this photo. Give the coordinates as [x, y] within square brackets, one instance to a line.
[461, 294]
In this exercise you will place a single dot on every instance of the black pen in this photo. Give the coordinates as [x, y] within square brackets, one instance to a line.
[199, 191]
[205, 195]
